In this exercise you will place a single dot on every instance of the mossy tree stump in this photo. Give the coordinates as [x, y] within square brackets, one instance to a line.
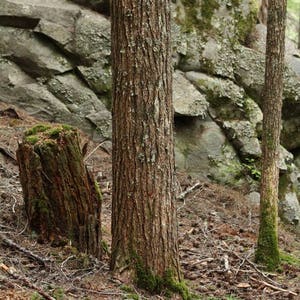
[62, 200]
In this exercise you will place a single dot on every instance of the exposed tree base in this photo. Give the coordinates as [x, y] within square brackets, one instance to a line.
[62, 200]
[167, 284]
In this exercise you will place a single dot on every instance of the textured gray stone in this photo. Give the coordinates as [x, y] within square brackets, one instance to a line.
[36, 57]
[201, 149]
[187, 100]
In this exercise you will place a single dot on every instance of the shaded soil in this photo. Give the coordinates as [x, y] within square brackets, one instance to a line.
[217, 235]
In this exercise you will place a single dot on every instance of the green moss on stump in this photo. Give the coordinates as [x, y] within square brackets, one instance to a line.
[31, 139]
[37, 129]
[44, 132]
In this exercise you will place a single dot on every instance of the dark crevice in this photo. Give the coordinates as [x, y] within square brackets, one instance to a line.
[19, 22]
[181, 121]
[295, 152]
[100, 6]
[72, 58]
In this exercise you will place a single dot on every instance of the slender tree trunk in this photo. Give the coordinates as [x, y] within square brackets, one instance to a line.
[144, 228]
[267, 248]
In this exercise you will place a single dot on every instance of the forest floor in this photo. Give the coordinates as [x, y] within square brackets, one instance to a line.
[217, 236]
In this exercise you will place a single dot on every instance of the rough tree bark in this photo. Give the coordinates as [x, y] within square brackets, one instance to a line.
[62, 200]
[144, 227]
[267, 248]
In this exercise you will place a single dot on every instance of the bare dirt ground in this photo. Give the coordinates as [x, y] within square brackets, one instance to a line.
[217, 236]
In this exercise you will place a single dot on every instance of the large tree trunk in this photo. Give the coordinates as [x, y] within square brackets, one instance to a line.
[144, 229]
[62, 201]
[267, 249]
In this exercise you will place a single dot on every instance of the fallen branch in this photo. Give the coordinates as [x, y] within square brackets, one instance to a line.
[7, 282]
[273, 287]
[11, 272]
[8, 154]
[252, 264]
[95, 149]
[28, 253]
[182, 195]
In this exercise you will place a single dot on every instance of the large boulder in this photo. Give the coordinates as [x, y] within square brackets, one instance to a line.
[289, 195]
[61, 53]
[249, 72]
[35, 56]
[230, 109]
[202, 150]
[210, 30]
[187, 100]
[73, 103]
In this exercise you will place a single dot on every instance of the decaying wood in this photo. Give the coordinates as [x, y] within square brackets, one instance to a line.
[8, 154]
[27, 252]
[22, 280]
[62, 199]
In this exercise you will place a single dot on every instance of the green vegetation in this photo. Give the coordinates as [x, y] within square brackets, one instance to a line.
[194, 19]
[59, 294]
[32, 139]
[36, 296]
[251, 166]
[293, 8]
[287, 258]
[246, 25]
[104, 247]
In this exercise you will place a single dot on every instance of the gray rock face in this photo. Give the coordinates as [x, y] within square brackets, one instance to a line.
[259, 38]
[202, 150]
[225, 97]
[61, 38]
[33, 55]
[249, 71]
[289, 195]
[229, 108]
[187, 100]
[244, 137]
[290, 209]
[254, 198]
[210, 31]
